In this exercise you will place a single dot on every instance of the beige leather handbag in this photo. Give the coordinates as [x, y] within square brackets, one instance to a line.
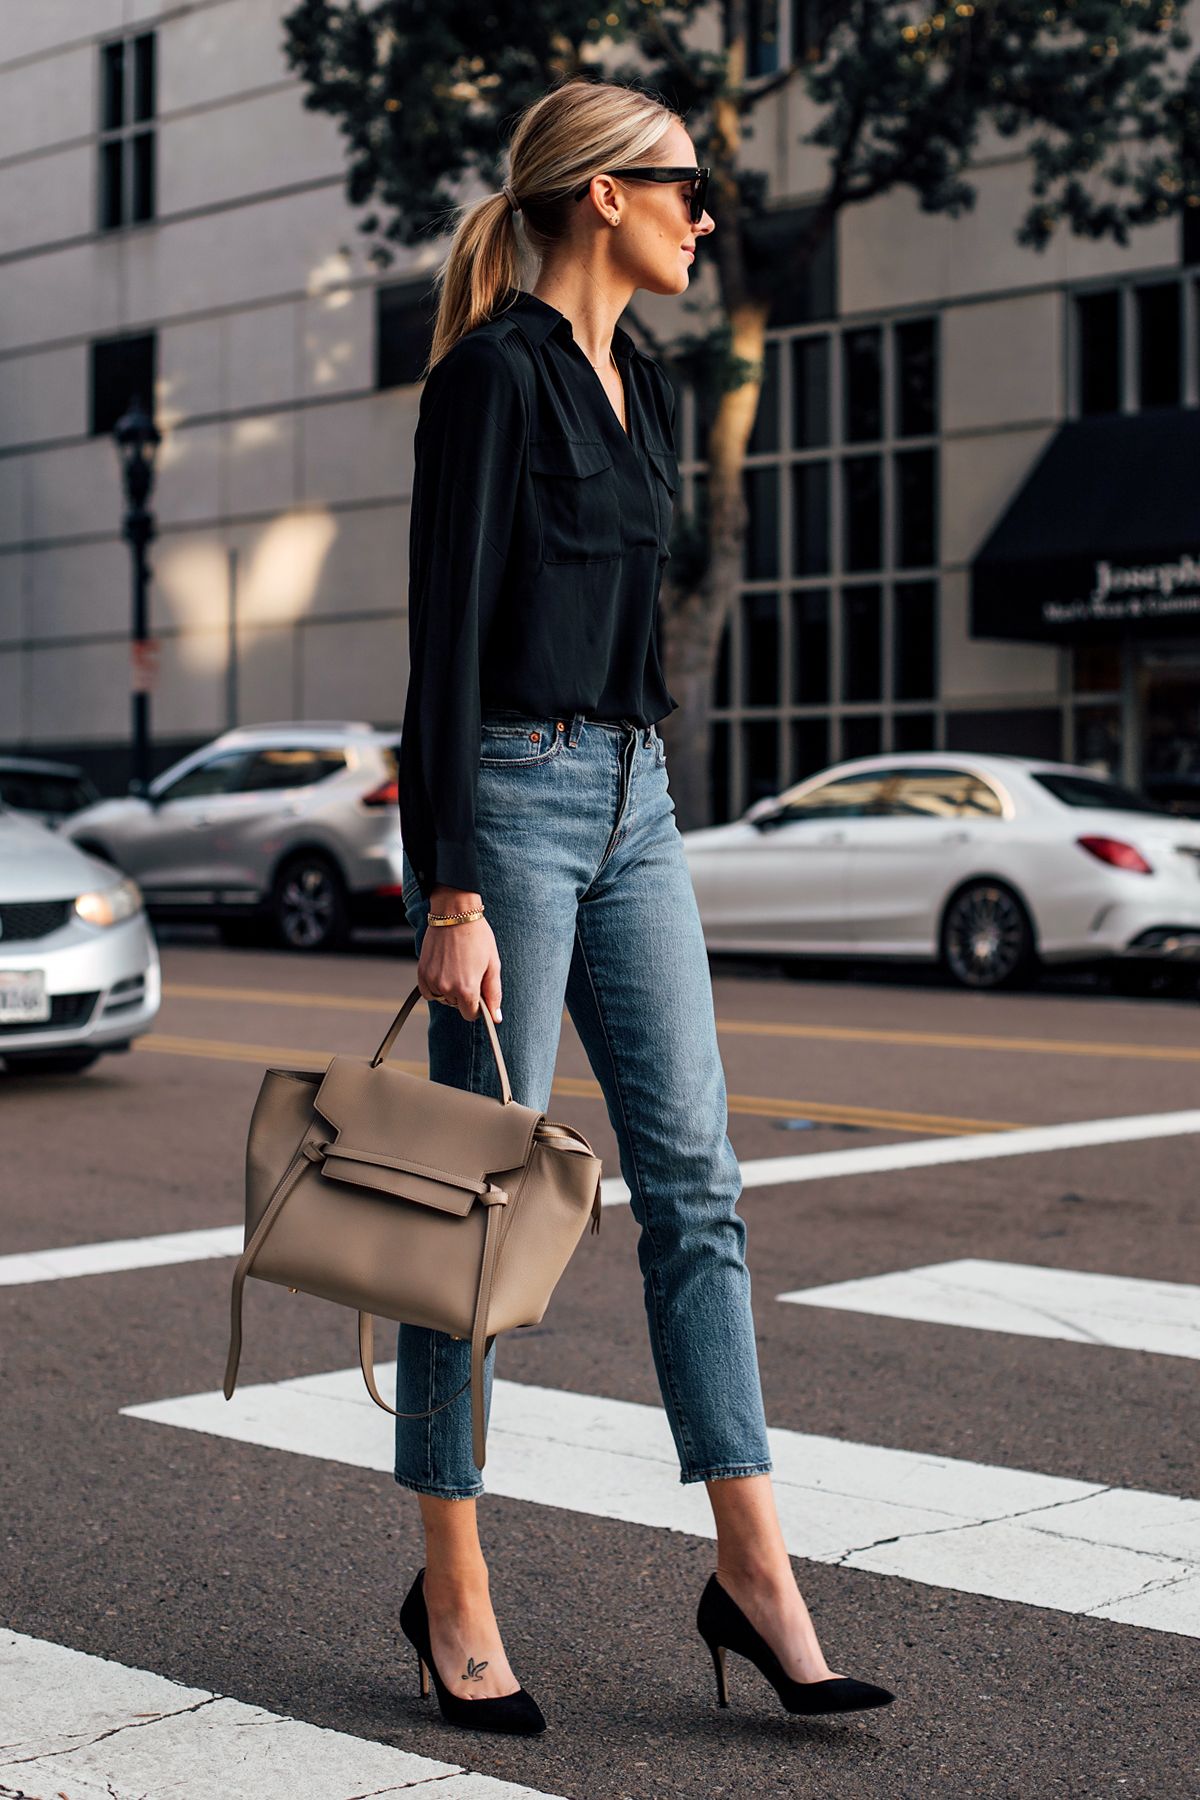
[405, 1197]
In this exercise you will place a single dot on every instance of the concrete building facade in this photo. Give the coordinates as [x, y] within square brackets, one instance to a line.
[170, 214]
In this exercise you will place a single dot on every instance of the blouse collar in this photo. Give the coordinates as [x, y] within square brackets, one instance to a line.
[537, 319]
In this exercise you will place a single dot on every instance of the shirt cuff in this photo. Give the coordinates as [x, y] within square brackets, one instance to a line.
[455, 865]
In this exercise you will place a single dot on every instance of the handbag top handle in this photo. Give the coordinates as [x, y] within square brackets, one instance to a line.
[393, 1032]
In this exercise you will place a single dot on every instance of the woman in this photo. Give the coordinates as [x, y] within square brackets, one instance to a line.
[538, 829]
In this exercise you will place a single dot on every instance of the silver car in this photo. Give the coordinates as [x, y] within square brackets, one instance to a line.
[79, 970]
[288, 830]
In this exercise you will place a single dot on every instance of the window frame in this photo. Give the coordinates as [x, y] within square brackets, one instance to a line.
[133, 136]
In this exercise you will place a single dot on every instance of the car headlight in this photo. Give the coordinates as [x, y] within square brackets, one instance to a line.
[108, 906]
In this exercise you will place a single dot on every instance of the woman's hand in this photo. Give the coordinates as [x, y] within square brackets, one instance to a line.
[460, 964]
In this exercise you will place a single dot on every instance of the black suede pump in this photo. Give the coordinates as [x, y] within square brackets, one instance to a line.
[514, 1713]
[724, 1626]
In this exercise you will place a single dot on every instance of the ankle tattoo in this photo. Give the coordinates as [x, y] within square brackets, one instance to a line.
[474, 1670]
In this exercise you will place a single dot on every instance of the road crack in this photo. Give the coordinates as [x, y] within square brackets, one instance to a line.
[14, 1762]
[1023, 1512]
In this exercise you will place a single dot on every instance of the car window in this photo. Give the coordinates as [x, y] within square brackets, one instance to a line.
[218, 775]
[1093, 790]
[34, 791]
[940, 794]
[292, 767]
[847, 797]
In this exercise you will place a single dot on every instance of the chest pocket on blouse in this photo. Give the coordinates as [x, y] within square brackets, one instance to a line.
[577, 501]
[666, 485]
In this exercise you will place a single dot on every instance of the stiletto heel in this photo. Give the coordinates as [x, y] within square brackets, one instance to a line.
[718, 1656]
[514, 1713]
[724, 1626]
[424, 1676]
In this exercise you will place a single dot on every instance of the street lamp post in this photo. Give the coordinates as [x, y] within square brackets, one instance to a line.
[137, 439]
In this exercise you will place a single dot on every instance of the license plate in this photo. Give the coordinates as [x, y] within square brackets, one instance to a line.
[23, 996]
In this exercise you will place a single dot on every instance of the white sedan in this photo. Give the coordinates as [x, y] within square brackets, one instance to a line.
[988, 864]
[79, 967]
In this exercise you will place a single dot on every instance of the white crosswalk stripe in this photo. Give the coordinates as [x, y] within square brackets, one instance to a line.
[1112, 1310]
[1073, 1546]
[84, 1727]
[112, 1257]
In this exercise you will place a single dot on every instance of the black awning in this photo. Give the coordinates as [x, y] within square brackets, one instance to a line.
[1102, 539]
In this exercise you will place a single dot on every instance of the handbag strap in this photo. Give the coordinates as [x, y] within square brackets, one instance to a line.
[306, 1151]
[481, 1343]
[311, 1150]
[393, 1031]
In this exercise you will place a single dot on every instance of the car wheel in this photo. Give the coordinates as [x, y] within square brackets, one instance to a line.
[987, 937]
[308, 903]
[63, 1062]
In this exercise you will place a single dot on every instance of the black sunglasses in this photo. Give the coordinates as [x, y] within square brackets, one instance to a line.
[654, 172]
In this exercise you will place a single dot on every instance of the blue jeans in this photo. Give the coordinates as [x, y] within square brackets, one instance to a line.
[588, 892]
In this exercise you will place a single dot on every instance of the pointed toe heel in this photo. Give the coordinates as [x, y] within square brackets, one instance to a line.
[724, 1626]
[517, 1714]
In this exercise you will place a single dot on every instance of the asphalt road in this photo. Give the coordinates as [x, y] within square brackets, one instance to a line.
[275, 1576]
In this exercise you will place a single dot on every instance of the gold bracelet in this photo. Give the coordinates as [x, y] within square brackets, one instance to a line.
[457, 918]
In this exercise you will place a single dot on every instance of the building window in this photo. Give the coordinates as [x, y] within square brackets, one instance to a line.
[916, 378]
[1134, 348]
[761, 544]
[915, 637]
[760, 668]
[862, 510]
[1189, 235]
[832, 650]
[863, 384]
[121, 368]
[762, 37]
[1160, 363]
[810, 647]
[862, 643]
[404, 317]
[916, 504]
[128, 80]
[1098, 317]
[810, 399]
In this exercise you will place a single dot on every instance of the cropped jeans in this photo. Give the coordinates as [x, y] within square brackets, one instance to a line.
[588, 892]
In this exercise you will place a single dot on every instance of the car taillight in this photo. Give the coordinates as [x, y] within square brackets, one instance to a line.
[1117, 854]
[386, 795]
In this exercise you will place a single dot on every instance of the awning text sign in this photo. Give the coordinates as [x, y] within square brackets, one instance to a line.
[1165, 590]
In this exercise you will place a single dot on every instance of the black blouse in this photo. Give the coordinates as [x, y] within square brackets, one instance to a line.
[538, 536]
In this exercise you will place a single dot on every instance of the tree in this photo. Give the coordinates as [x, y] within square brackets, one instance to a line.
[897, 94]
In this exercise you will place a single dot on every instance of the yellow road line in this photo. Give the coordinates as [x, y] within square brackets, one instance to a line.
[188, 990]
[948, 1040]
[845, 1034]
[582, 1087]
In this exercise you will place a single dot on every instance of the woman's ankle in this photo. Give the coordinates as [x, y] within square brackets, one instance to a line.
[457, 1581]
[752, 1573]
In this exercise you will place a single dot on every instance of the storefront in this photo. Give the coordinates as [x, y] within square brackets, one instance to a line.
[1099, 551]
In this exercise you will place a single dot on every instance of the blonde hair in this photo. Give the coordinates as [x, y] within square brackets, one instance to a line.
[576, 130]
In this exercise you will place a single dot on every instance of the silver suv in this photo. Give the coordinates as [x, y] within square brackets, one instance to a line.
[291, 830]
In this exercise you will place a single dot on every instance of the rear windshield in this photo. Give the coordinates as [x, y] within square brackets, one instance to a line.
[1093, 790]
[33, 790]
